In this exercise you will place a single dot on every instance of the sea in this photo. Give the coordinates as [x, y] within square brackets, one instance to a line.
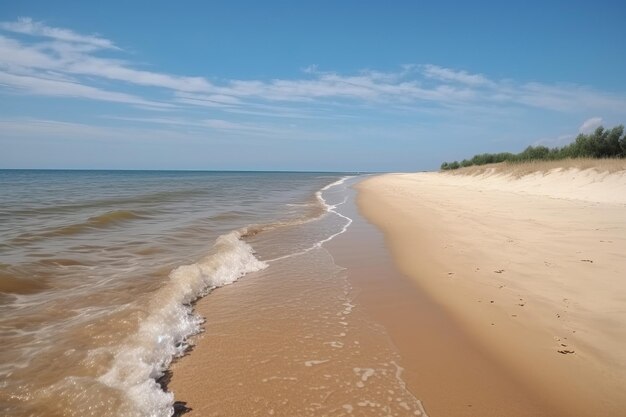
[100, 272]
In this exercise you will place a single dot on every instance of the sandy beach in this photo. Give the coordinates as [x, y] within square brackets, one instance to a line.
[491, 292]
[530, 266]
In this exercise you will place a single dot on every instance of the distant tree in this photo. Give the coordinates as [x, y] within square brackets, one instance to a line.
[597, 142]
[622, 143]
[613, 141]
[602, 143]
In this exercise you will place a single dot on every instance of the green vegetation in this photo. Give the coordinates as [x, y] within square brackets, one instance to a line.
[603, 143]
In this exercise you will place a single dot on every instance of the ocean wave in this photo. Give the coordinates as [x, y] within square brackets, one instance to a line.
[114, 216]
[143, 358]
[228, 215]
[138, 199]
[33, 277]
[62, 262]
[9, 284]
[101, 221]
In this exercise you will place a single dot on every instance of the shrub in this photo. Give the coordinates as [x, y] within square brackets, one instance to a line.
[599, 144]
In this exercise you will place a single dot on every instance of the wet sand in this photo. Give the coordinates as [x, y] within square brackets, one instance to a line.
[531, 270]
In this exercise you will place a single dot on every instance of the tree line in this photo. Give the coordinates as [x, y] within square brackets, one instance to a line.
[602, 143]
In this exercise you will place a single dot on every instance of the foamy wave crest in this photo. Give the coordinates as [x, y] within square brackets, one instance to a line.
[328, 208]
[163, 334]
[331, 208]
[321, 199]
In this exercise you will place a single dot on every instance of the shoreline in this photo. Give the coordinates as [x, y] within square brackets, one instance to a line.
[427, 355]
[443, 366]
[512, 266]
[291, 339]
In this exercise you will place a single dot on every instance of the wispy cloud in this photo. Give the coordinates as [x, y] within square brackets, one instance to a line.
[60, 62]
[213, 124]
[28, 26]
[463, 77]
[72, 60]
[50, 130]
[590, 125]
[53, 87]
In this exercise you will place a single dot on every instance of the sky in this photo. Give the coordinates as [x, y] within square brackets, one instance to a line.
[284, 85]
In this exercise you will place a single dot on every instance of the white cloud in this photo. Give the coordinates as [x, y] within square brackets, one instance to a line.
[447, 74]
[285, 113]
[67, 58]
[590, 125]
[115, 70]
[208, 124]
[59, 88]
[15, 55]
[27, 26]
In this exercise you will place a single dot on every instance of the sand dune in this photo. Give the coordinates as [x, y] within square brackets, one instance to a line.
[530, 262]
[587, 180]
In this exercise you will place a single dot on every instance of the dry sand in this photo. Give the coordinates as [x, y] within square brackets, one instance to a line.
[530, 264]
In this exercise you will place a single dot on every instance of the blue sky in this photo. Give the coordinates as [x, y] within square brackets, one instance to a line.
[326, 85]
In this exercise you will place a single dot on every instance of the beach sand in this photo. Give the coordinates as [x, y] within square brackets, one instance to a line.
[443, 366]
[529, 264]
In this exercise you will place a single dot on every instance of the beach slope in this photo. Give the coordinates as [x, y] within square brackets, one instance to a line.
[530, 261]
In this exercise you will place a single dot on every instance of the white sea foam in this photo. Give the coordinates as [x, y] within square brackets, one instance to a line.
[330, 209]
[348, 308]
[364, 373]
[144, 356]
[315, 362]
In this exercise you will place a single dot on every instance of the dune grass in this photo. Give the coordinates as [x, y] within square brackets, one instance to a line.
[520, 169]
